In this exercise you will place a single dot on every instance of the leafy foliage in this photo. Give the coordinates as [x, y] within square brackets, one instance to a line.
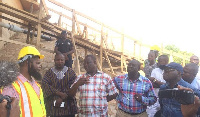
[179, 59]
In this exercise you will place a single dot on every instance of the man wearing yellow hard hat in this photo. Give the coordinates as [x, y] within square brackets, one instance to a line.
[26, 89]
[156, 49]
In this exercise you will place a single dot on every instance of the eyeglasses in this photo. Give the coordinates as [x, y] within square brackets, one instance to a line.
[169, 70]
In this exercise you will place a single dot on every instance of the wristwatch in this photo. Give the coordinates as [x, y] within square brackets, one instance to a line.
[154, 80]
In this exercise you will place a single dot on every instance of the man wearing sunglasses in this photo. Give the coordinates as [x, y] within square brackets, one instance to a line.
[173, 77]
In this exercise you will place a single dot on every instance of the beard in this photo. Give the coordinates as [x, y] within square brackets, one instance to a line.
[34, 73]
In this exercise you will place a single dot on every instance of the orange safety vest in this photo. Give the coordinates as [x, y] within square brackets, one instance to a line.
[31, 105]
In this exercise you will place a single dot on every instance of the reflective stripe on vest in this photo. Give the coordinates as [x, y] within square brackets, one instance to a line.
[26, 104]
[34, 103]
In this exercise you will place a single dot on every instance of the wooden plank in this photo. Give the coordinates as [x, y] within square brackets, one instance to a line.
[23, 24]
[18, 10]
[125, 65]
[98, 22]
[109, 63]
[32, 36]
[15, 13]
[61, 5]
[59, 13]
[45, 7]
[28, 34]
[73, 41]
[46, 18]
[122, 55]
[59, 20]
[107, 58]
[134, 44]
[81, 23]
[101, 47]
[39, 28]
[77, 24]
[86, 52]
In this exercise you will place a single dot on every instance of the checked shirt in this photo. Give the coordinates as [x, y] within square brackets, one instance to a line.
[92, 100]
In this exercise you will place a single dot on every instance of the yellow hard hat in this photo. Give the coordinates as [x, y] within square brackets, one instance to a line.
[29, 50]
[155, 47]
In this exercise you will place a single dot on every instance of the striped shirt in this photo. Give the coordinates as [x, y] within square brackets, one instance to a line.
[127, 90]
[54, 81]
[10, 90]
[93, 101]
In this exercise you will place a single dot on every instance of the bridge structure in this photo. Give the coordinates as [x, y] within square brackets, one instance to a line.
[109, 45]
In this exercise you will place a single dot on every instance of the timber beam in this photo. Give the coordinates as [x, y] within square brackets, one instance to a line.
[23, 15]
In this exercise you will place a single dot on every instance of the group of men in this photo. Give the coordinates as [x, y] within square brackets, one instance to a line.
[169, 76]
[135, 94]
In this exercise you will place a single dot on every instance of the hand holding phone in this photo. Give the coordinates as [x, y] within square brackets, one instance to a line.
[59, 103]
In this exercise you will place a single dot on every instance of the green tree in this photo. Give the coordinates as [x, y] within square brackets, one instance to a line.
[176, 50]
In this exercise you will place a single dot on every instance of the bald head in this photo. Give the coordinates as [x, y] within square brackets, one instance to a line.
[194, 59]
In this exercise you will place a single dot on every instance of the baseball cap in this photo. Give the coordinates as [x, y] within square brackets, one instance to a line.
[176, 66]
[63, 32]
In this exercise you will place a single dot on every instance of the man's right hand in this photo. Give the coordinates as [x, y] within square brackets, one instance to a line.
[63, 95]
[66, 57]
[15, 109]
[58, 102]
[83, 81]
[191, 109]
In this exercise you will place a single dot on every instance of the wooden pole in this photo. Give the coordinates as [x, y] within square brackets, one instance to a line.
[60, 20]
[134, 48]
[39, 26]
[109, 63]
[32, 36]
[73, 41]
[86, 52]
[28, 34]
[101, 47]
[122, 55]
[77, 24]
[140, 51]
[29, 26]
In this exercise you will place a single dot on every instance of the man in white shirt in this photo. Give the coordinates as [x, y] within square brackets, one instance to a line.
[157, 80]
[195, 59]
[189, 74]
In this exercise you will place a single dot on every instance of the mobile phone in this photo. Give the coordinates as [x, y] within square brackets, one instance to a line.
[182, 96]
[62, 104]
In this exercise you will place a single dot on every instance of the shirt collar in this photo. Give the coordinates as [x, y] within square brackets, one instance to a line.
[98, 72]
[63, 70]
[140, 77]
[23, 79]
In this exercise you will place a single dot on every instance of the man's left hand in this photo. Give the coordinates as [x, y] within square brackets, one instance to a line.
[63, 95]
[138, 97]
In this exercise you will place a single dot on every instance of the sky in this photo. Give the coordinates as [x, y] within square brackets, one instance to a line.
[150, 21]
